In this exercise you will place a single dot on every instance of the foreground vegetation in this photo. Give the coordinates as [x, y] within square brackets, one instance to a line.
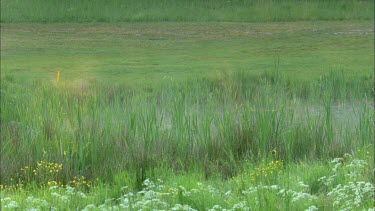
[339, 185]
[252, 133]
[184, 10]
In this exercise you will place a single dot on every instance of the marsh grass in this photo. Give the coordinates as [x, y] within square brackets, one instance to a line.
[196, 10]
[212, 126]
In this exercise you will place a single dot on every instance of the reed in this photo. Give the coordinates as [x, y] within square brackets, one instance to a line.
[97, 130]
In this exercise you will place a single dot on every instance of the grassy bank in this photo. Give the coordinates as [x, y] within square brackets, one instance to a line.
[192, 10]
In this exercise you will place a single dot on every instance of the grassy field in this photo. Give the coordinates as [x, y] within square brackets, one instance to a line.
[184, 10]
[147, 52]
[187, 115]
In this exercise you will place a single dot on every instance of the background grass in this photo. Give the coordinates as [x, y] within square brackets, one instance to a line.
[144, 53]
[184, 10]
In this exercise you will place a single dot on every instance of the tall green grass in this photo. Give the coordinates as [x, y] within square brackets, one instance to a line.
[186, 10]
[98, 130]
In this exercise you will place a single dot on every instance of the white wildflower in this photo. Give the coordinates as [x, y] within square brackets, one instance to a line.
[281, 192]
[303, 184]
[124, 206]
[64, 198]
[43, 203]
[30, 199]
[11, 205]
[103, 207]
[179, 207]
[123, 189]
[55, 194]
[5, 199]
[312, 208]
[82, 195]
[217, 207]
[194, 190]
[53, 187]
[300, 195]
[69, 190]
[211, 189]
[274, 187]
[241, 206]
[148, 184]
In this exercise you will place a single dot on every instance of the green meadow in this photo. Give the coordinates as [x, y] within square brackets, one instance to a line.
[129, 53]
[187, 105]
[184, 11]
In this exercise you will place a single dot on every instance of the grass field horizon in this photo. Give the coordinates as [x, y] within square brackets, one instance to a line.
[304, 50]
[139, 109]
[184, 11]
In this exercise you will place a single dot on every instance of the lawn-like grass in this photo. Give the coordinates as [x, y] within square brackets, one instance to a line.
[184, 10]
[146, 53]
